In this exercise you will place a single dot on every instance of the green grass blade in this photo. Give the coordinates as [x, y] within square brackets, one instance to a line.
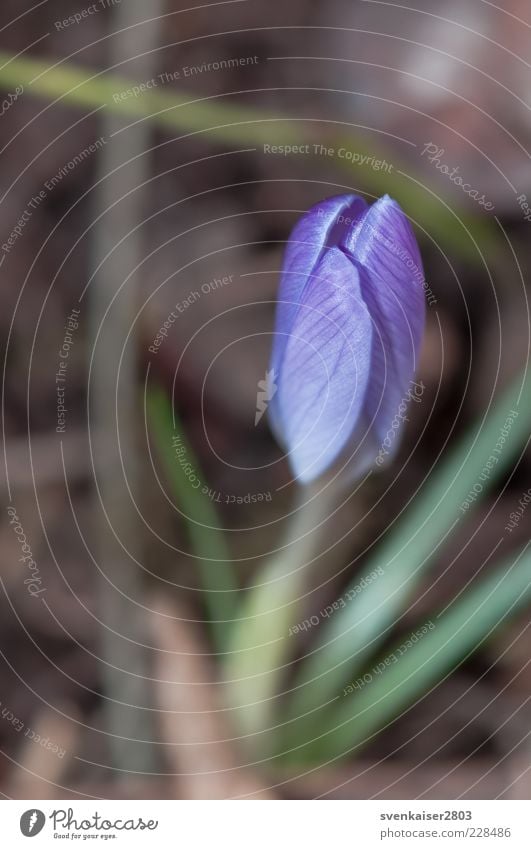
[207, 539]
[225, 122]
[458, 633]
[352, 635]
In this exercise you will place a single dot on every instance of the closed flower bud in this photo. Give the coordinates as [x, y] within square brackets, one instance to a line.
[350, 321]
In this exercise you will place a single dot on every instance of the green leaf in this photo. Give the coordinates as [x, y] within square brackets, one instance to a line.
[464, 626]
[352, 635]
[206, 537]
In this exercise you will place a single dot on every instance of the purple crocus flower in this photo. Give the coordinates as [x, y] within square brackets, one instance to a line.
[350, 321]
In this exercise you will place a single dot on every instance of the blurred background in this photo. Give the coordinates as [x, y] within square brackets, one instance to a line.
[147, 195]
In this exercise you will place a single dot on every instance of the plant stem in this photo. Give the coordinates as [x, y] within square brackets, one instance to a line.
[260, 640]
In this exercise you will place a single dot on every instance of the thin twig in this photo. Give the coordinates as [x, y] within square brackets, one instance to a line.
[115, 409]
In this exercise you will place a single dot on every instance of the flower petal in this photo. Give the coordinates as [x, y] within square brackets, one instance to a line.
[391, 275]
[317, 229]
[324, 373]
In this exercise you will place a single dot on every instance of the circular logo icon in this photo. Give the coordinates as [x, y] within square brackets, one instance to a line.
[32, 822]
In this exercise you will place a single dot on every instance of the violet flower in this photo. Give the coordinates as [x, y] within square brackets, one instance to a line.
[350, 321]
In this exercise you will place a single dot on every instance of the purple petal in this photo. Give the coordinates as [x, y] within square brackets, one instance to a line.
[391, 277]
[316, 230]
[324, 373]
